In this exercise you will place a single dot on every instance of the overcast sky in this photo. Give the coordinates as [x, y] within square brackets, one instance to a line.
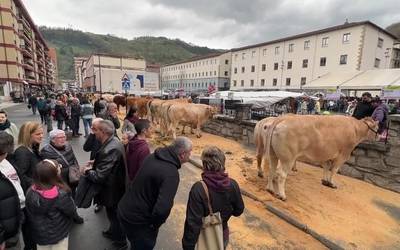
[221, 24]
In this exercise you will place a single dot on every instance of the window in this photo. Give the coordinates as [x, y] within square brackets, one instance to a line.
[243, 56]
[289, 64]
[380, 42]
[275, 66]
[264, 52]
[343, 59]
[306, 45]
[291, 46]
[234, 83]
[325, 41]
[243, 69]
[262, 82]
[236, 57]
[215, 73]
[322, 61]
[226, 61]
[226, 73]
[346, 38]
[206, 73]
[253, 53]
[210, 73]
[235, 70]
[263, 67]
[305, 63]
[377, 62]
[287, 81]
[253, 68]
[242, 83]
[277, 50]
[274, 82]
[251, 83]
[303, 81]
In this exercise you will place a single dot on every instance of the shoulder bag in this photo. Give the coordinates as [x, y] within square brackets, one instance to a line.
[73, 171]
[211, 234]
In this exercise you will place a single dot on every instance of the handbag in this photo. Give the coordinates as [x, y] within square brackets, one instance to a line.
[29, 106]
[74, 173]
[211, 234]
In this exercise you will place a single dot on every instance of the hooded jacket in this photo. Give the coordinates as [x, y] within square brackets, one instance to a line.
[380, 114]
[50, 212]
[136, 151]
[150, 196]
[228, 203]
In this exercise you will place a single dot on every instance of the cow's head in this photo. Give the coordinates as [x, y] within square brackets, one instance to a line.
[373, 126]
[212, 111]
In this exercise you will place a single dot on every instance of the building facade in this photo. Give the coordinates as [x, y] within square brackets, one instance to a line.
[104, 73]
[290, 63]
[198, 73]
[25, 61]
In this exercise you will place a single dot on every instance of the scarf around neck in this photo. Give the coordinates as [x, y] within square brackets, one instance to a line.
[5, 125]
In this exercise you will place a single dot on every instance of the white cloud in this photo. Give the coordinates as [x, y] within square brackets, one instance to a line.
[217, 24]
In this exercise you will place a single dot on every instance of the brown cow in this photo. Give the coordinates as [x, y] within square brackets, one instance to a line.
[140, 103]
[323, 140]
[120, 100]
[187, 114]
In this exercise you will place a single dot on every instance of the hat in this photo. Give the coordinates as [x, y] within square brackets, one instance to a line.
[55, 132]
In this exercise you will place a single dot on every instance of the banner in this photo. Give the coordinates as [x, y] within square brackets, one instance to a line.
[391, 92]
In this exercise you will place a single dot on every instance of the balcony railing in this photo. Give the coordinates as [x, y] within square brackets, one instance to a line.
[24, 22]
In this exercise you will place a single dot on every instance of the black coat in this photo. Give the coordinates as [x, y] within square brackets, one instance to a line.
[227, 203]
[25, 160]
[109, 171]
[363, 109]
[10, 211]
[60, 113]
[92, 145]
[75, 110]
[150, 195]
[48, 152]
[51, 219]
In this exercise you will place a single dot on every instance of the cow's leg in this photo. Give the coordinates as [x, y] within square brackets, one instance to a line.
[183, 129]
[294, 169]
[198, 131]
[273, 164]
[259, 161]
[174, 131]
[335, 168]
[281, 174]
[326, 167]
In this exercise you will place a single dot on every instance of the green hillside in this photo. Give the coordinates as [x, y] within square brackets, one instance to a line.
[394, 29]
[70, 43]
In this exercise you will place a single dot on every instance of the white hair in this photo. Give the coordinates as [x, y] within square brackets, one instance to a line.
[55, 132]
[181, 144]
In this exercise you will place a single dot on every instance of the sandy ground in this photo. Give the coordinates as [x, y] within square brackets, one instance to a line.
[357, 215]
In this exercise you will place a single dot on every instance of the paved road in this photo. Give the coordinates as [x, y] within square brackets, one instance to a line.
[253, 222]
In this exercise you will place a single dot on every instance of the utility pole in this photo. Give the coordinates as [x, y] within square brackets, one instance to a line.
[101, 89]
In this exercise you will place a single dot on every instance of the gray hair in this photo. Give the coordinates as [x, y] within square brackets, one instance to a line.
[6, 143]
[111, 105]
[181, 144]
[107, 127]
[55, 132]
[213, 159]
[97, 119]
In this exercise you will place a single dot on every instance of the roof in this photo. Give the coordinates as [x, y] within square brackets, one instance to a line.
[316, 32]
[374, 79]
[115, 55]
[21, 5]
[195, 58]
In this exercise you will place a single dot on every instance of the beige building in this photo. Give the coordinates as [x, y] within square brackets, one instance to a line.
[292, 62]
[198, 73]
[24, 54]
[104, 73]
[78, 70]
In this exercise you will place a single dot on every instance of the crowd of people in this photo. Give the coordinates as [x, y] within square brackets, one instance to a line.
[41, 186]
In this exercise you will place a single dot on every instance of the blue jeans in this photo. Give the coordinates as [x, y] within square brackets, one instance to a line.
[87, 123]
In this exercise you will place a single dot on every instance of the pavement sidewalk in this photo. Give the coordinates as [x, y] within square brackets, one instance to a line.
[4, 105]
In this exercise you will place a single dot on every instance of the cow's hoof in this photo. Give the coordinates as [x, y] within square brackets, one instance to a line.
[198, 136]
[328, 184]
[271, 191]
[295, 170]
[261, 175]
[280, 197]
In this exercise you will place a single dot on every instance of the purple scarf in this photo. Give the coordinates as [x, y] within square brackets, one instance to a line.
[217, 181]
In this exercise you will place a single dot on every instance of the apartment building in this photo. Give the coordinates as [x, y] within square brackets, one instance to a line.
[24, 55]
[290, 63]
[78, 70]
[198, 73]
[103, 73]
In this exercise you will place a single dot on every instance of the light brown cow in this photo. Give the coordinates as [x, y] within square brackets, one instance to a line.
[323, 140]
[140, 103]
[194, 115]
[259, 137]
[154, 108]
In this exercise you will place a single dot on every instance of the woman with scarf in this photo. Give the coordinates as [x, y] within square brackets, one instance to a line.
[129, 121]
[224, 194]
[7, 126]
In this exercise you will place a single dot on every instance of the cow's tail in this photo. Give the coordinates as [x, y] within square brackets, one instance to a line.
[269, 131]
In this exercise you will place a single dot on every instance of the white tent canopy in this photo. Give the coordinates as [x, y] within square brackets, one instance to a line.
[259, 99]
[356, 80]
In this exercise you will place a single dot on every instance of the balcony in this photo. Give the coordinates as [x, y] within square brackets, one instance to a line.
[26, 51]
[29, 62]
[22, 20]
[28, 67]
[40, 63]
[25, 37]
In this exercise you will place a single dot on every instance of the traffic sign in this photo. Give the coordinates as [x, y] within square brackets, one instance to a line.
[126, 82]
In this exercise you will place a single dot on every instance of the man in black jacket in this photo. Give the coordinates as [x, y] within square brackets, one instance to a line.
[149, 199]
[364, 108]
[108, 171]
